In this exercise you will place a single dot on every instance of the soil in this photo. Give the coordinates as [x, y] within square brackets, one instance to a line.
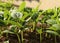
[30, 37]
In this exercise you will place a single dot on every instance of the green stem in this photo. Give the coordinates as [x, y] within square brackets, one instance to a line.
[22, 36]
[55, 39]
[40, 38]
[33, 25]
[18, 38]
[41, 35]
[7, 35]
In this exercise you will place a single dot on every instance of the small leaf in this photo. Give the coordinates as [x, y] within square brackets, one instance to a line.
[13, 23]
[55, 13]
[35, 9]
[2, 23]
[39, 31]
[6, 12]
[22, 6]
[49, 10]
[7, 31]
[53, 32]
[57, 26]
[34, 16]
[51, 21]
[6, 41]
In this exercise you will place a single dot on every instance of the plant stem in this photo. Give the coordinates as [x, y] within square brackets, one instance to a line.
[18, 38]
[40, 38]
[41, 35]
[33, 25]
[7, 35]
[55, 39]
[22, 36]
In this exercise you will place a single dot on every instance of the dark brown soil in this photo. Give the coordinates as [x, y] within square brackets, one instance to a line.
[30, 37]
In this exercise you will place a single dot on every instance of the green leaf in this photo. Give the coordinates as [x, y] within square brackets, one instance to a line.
[55, 27]
[6, 41]
[35, 9]
[2, 4]
[25, 15]
[22, 6]
[53, 32]
[51, 21]
[7, 31]
[55, 13]
[52, 28]
[39, 31]
[2, 23]
[49, 10]
[6, 12]
[40, 13]
[34, 17]
[13, 23]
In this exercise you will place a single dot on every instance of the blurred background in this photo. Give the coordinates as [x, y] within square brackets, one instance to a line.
[44, 4]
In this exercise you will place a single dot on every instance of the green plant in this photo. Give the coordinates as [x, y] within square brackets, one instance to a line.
[54, 28]
[16, 20]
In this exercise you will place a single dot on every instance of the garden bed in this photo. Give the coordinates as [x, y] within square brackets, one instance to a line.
[29, 25]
